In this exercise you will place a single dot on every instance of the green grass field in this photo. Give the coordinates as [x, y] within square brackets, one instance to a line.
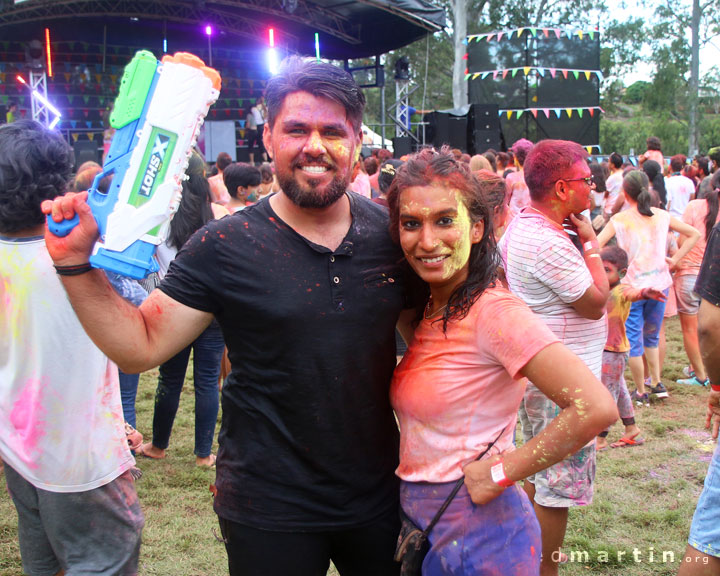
[644, 496]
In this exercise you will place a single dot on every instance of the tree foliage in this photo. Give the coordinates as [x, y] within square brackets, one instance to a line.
[660, 37]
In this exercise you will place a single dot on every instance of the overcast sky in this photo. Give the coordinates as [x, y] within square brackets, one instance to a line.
[620, 9]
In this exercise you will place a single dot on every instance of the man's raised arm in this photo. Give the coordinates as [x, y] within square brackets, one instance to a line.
[136, 339]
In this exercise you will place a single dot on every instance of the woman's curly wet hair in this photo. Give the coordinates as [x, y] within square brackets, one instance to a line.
[35, 165]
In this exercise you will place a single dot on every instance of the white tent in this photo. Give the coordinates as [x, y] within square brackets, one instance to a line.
[374, 140]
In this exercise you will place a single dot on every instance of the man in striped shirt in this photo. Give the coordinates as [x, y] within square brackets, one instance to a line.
[568, 290]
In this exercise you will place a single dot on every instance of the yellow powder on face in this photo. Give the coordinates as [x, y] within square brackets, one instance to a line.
[462, 246]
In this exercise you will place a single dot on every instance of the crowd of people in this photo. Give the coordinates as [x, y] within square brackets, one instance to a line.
[493, 270]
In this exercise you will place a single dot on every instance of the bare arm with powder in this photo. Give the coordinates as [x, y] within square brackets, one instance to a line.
[591, 304]
[136, 339]
[709, 340]
[690, 237]
[587, 409]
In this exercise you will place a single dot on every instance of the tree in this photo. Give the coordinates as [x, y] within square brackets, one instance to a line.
[635, 93]
[702, 19]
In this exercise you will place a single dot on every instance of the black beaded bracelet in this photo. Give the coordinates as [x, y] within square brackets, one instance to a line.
[74, 270]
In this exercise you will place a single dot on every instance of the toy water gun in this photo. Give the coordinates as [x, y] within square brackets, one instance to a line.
[157, 114]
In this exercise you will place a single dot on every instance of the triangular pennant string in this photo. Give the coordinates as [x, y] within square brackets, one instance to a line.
[558, 112]
[520, 113]
[526, 69]
[509, 114]
[587, 74]
[534, 112]
[557, 33]
[552, 72]
[592, 112]
[569, 112]
[564, 73]
[500, 35]
[580, 112]
[547, 112]
[576, 73]
[514, 71]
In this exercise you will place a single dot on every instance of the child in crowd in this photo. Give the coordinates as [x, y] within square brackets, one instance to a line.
[642, 232]
[615, 261]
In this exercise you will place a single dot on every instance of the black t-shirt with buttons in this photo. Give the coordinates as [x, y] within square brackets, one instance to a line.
[707, 285]
[308, 438]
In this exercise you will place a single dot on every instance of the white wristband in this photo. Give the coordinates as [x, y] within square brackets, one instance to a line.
[497, 472]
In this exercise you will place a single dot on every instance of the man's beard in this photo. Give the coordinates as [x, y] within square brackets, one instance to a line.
[311, 197]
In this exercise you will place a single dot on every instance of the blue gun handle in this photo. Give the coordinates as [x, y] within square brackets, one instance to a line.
[62, 229]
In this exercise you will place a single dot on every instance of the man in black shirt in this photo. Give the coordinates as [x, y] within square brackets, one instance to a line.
[307, 287]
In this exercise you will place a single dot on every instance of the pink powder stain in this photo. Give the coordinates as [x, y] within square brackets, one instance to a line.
[27, 418]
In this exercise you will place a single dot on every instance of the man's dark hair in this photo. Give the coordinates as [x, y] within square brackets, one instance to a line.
[616, 160]
[223, 161]
[703, 163]
[240, 174]
[714, 155]
[266, 172]
[616, 256]
[35, 165]
[320, 79]
[677, 162]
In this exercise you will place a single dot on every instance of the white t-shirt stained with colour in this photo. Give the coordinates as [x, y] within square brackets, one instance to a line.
[61, 420]
[679, 190]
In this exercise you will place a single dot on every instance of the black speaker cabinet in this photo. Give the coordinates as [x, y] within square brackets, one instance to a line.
[457, 129]
[85, 151]
[437, 129]
[484, 140]
[484, 117]
[402, 145]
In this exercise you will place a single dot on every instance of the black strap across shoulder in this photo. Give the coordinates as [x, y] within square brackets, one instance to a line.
[456, 489]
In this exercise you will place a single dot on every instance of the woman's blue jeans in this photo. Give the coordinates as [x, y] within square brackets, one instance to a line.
[128, 392]
[207, 354]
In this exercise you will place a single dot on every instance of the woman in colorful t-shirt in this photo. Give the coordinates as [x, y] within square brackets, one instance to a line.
[461, 382]
[642, 232]
[702, 215]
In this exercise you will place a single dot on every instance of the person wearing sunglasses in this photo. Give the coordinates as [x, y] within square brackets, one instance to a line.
[568, 290]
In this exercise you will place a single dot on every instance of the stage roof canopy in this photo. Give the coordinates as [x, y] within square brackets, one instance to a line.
[347, 29]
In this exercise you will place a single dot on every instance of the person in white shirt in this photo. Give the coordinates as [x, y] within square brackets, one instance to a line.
[680, 189]
[62, 434]
[614, 201]
[259, 115]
